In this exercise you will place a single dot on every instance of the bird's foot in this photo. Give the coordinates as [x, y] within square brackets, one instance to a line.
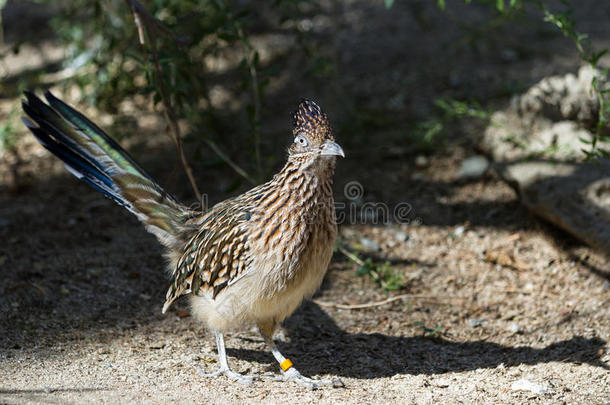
[293, 375]
[240, 378]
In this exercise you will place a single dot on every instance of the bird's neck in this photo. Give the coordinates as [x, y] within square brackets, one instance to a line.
[320, 170]
[309, 187]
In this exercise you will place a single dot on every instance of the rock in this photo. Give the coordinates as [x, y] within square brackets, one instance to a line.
[473, 167]
[527, 385]
[567, 97]
[575, 197]
[536, 146]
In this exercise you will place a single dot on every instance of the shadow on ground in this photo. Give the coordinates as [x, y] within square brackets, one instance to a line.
[318, 347]
[42, 395]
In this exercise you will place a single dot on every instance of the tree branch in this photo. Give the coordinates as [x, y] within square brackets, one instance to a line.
[146, 24]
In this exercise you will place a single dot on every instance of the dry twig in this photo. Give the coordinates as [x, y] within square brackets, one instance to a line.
[228, 161]
[351, 256]
[147, 24]
[384, 302]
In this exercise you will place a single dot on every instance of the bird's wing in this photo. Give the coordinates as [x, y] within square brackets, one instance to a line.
[216, 254]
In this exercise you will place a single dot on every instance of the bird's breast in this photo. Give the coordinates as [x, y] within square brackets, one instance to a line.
[292, 235]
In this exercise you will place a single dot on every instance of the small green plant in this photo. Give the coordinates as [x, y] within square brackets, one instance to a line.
[384, 274]
[9, 138]
[430, 134]
[8, 132]
[455, 109]
[429, 332]
[565, 22]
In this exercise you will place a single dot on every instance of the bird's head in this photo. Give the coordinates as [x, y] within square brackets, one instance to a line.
[313, 137]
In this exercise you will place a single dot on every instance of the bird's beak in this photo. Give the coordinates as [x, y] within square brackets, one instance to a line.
[331, 148]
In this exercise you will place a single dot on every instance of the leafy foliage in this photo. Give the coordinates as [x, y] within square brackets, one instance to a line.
[431, 133]
[565, 22]
[102, 39]
[9, 132]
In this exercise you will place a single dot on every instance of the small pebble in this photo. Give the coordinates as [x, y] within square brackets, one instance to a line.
[475, 322]
[459, 230]
[369, 244]
[509, 55]
[401, 236]
[421, 161]
[417, 176]
[527, 385]
[514, 328]
[473, 167]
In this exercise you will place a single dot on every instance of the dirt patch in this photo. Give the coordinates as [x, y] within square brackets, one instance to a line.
[492, 295]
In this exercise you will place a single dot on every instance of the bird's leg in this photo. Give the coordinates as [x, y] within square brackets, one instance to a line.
[289, 373]
[224, 366]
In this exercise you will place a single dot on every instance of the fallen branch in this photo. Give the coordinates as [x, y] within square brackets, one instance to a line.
[384, 302]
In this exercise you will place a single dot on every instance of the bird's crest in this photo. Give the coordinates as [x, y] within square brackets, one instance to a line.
[309, 119]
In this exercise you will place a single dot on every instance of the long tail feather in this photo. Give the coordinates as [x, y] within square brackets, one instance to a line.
[99, 161]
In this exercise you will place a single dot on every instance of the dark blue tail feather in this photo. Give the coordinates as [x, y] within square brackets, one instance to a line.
[78, 165]
[99, 161]
[67, 111]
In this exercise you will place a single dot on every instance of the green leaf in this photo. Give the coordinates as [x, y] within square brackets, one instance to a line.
[389, 3]
[441, 4]
[500, 5]
[362, 270]
[596, 56]
[584, 140]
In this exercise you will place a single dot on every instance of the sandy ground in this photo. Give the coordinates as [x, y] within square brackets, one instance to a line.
[493, 299]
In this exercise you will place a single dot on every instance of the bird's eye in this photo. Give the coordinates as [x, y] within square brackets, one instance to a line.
[301, 140]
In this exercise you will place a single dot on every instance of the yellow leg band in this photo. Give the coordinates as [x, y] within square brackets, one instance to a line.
[286, 364]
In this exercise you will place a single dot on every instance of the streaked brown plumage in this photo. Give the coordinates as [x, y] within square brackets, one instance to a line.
[248, 260]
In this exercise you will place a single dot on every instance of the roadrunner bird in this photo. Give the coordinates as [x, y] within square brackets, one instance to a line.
[248, 260]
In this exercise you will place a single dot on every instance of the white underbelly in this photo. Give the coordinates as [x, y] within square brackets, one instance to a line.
[249, 300]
